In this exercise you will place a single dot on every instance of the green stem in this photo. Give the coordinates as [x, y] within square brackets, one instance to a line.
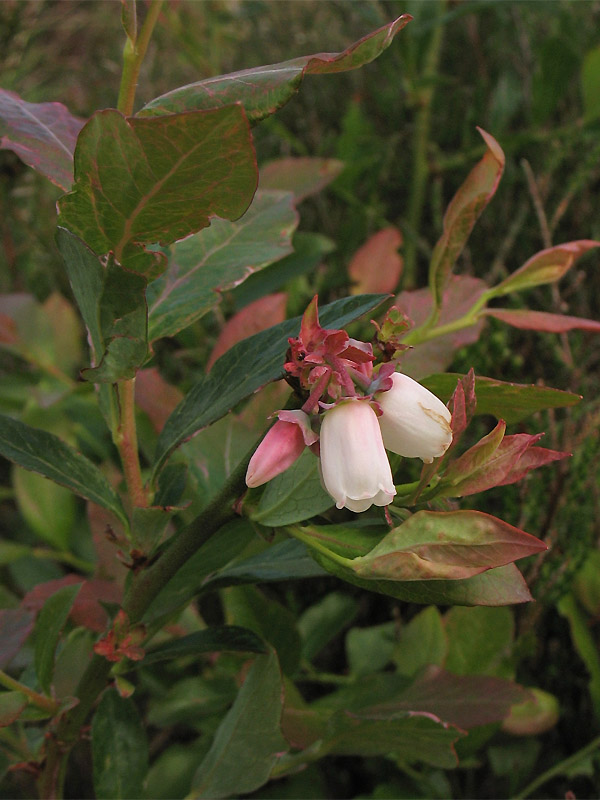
[426, 332]
[558, 769]
[133, 55]
[39, 700]
[420, 147]
[297, 532]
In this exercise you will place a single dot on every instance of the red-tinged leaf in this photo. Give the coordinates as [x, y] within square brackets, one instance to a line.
[301, 176]
[15, 626]
[263, 90]
[546, 266]
[478, 455]
[143, 181]
[377, 265]
[542, 321]
[532, 458]
[86, 609]
[462, 214]
[257, 316]
[509, 401]
[434, 356]
[448, 545]
[155, 396]
[466, 701]
[43, 135]
[12, 704]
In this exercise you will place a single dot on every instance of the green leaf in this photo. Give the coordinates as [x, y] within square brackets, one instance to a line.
[262, 90]
[324, 620]
[15, 626]
[463, 212]
[511, 402]
[547, 266]
[479, 641]
[590, 84]
[248, 742]
[249, 607]
[294, 495]
[45, 453]
[284, 561]
[119, 748]
[142, 181]
[218, 258]
[189, 580]
[215, 639]
[584, 644]
[434, 545]
[11, 706]
[43, 135]
[370, 649]
[423, 641]
[246, 367]
[502, 586]
[51, 621]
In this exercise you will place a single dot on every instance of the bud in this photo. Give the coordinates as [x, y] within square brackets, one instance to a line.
[414, 423]
[282, 445]
[354, 465]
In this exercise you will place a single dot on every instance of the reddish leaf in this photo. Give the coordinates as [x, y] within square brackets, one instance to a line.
[532, 458]
[546, 266]
[43, 135]
[262, 90]
[478, 455]
[301, 176]
[434, 356]
[155, 396]
[258, 316]
[462, 214]
[466, 701]
[143, 181]
[86, 609]
[377, 265]
[509, 401]
[15, 626]
[542, 321]
[445, 545]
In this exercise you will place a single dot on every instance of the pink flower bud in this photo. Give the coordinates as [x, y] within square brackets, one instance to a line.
[282, 445]
[354, 465]
[414, 423]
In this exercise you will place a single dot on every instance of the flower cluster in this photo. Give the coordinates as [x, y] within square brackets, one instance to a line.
[361, 411]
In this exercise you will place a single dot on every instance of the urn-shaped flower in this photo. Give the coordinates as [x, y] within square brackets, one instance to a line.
[354, 465]
[414, 423]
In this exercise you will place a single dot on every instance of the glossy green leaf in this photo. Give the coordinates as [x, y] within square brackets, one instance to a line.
[463, 212]
[546, 266]
[143, 181]
[284, 561]
[218, 258]
[119, 748]
[43, 135]
[248, 742]
[212, 640]
[50, 623]
[249, 365]
[294, 495]
[49, 509]
[511, 402]
[452, 545]
[262, 90]
[45, 453]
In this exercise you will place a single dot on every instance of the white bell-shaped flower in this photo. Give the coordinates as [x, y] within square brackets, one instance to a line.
[415, 423]
[354, 465]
